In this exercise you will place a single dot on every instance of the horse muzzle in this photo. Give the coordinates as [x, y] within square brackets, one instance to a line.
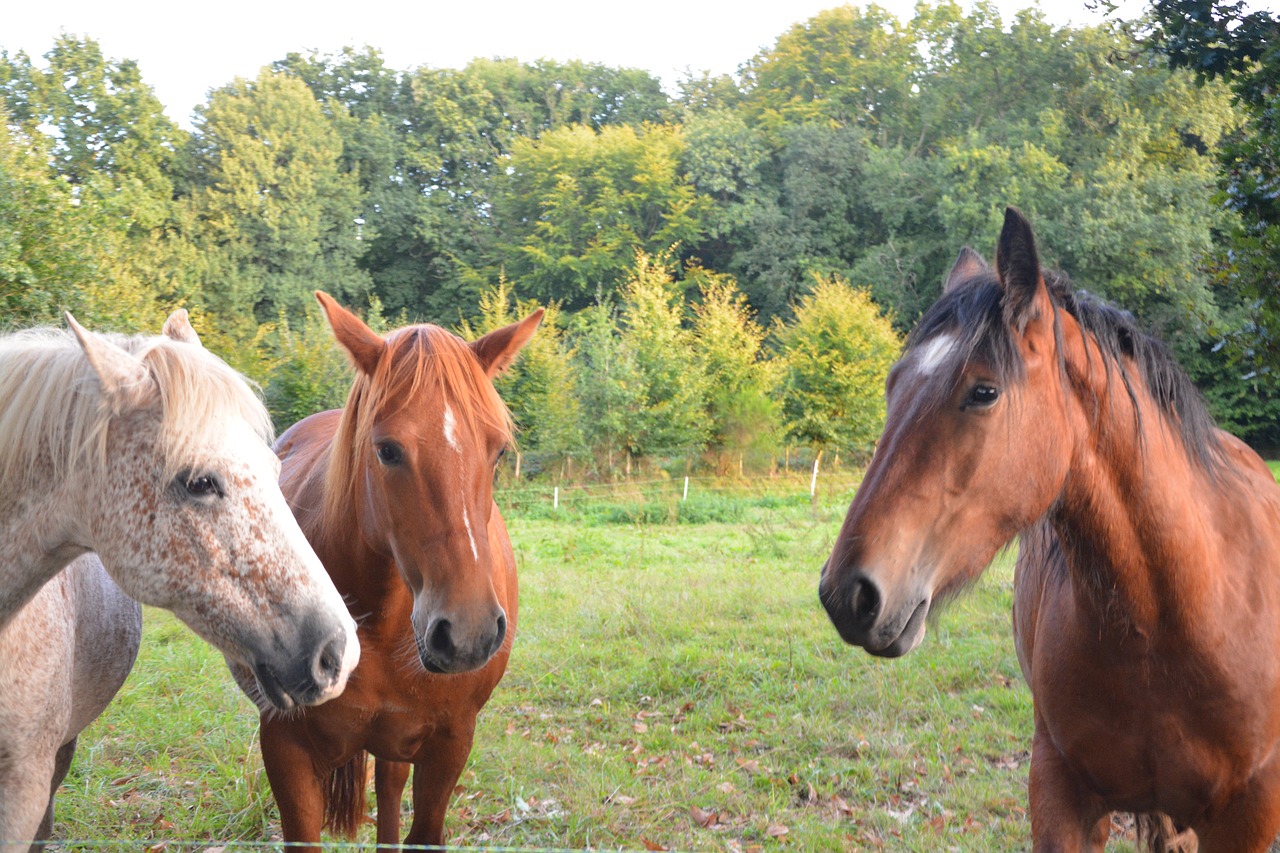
[855, 603]
[305, 680]
[448, 645]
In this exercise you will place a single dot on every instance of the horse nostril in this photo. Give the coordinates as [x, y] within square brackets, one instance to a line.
[865, 603]
[500, 634]
[328, 663]
[440, 638]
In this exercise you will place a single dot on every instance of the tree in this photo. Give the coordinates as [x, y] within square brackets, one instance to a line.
[1223, 40]
[670, 418]
[576, 205]
[47, 251]
[848, 66]
[541, 386]
[741, 410]
[835, 358]
[275, 216]
[111, 144]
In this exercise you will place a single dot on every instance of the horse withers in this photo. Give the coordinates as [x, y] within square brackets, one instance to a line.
[395, 491]
[152, 453]
[1146, 589]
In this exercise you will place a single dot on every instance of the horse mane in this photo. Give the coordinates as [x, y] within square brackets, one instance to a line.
[54, 418]
[975, 310]
[421, 359]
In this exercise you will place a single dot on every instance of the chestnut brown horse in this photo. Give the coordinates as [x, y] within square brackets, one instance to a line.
[1147, 591]
[395, 492]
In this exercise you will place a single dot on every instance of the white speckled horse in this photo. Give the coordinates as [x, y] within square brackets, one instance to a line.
[152, 453]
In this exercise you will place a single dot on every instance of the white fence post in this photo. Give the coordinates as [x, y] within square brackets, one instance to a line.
[813, 481]
[686, 489]
[555, 498]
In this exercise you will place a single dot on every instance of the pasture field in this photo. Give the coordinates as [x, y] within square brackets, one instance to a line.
[675, 685]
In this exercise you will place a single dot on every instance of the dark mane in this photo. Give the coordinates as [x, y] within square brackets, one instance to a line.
[974, 311]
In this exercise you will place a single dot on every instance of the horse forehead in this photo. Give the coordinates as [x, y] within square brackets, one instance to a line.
[931, 356]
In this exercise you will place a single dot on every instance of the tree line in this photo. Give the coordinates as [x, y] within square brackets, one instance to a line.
[729, 269]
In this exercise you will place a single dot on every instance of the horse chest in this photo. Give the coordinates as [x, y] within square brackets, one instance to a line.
[1143, 739]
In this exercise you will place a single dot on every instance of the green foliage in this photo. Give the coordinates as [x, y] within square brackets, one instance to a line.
[741, 409]
[46, 241]
[541, 387]
[274, 217]
[671, 381]
[857, 147]
[835, 358]
[577, 204]
[1224, 40]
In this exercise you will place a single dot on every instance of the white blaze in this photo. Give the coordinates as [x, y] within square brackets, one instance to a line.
[934, 353]
[449, 423]
[466, 519]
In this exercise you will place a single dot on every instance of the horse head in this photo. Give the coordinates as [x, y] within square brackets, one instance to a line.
[977, 443]
[416, 451]
[181, 503]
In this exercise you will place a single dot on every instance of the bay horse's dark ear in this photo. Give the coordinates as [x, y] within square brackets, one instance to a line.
[496, 350]
[969, 265]
[363, 344]
[1018, 266]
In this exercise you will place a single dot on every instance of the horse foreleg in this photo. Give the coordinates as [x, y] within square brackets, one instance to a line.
[433, 784]
[61, 764]
[296, 785]
[1065, 816]
[1249, 823]
[389, 778]
[24, 802]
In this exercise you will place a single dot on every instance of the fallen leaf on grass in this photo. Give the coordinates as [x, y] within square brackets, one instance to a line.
[750, 765]
[704, 819]
[620, 799]
[776, 830]
[652, 845]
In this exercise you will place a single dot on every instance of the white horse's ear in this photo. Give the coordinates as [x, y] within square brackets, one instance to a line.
[178, 327]
[125, 381]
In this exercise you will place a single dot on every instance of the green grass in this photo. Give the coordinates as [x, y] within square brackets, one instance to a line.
[663, 673]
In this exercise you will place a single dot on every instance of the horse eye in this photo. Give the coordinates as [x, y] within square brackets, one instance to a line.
[982, 396]
[498, 458]
[390, 453]
[201, 486]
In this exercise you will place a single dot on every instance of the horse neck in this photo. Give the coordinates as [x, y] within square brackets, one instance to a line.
[1136, 516]
[42, 529]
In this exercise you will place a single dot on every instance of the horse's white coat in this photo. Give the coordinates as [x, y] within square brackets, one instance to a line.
[99, 439]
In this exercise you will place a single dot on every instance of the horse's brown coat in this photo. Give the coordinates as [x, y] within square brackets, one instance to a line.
[408, 544]
[1148, 584]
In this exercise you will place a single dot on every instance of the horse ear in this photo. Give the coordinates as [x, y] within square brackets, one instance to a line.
[1018, 267]
[969, 265]
[178, 327]
[126, 383]
[496, 350]
[363, 344]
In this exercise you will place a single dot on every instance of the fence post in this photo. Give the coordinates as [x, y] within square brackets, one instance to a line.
[555, 498]
[686, 489]
[813, 481]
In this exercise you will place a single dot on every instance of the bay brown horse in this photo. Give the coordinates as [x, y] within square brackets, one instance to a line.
[1147, 591]
[395, 492]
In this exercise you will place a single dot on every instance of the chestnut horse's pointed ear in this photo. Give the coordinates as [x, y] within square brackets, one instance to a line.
[968, 266]
[1018, 266]
[126, 383]
[178, 327]
[496, 350]
[364, 345]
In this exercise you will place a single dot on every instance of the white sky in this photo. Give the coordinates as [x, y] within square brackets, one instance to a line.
[184, 50]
